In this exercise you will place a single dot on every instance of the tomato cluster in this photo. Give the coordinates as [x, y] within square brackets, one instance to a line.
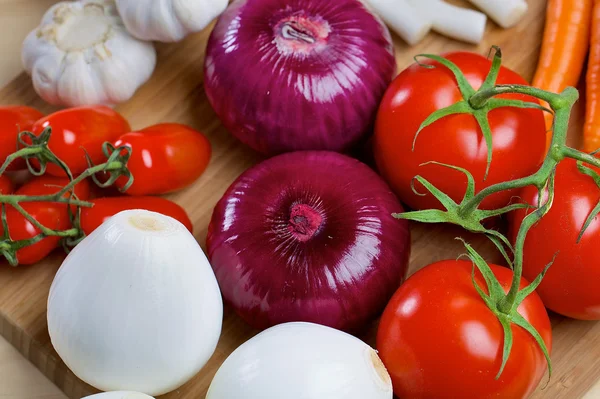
[163, 158]
[438, 337]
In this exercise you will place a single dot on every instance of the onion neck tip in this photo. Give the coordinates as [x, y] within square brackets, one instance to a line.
[379, 368]
[305, 222]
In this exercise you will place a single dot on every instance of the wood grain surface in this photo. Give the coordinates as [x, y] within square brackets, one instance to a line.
[175, 94]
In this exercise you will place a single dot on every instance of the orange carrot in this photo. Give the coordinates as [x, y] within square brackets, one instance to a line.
[564, 47]
[591, 129]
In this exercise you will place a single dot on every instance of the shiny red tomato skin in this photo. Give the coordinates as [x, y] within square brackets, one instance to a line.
[438, 339]
[165, 158]
[81, 127]
[518, 135]
[6, 185]
[48, 185]
[15, 119]
[104, 208]
[52, 215]
[570, 287]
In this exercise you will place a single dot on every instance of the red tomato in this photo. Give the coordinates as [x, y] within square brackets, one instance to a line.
[518, 135]
[48, 185]
[104, 208]
[14, 120]
[77, 128]
[6, 186]
[52, 215]
[570, 287]
[438, 339]
[165, 158]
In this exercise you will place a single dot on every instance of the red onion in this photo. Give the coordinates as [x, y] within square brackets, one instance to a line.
[298, 74]
[308, 236]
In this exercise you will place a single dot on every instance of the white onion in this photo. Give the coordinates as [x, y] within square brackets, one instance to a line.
[119, 395]
[136, 306]
[302, 361]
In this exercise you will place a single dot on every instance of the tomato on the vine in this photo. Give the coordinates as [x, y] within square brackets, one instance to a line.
[164, 158]
[570, 286]
[518, 135]
[54, 216]
[104, 208]
[6, 185]
[438, 338]
[76, 129]
[15, 119]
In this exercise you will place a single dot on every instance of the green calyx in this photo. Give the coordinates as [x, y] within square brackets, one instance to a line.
[32, 147]
[467, 212]
[474, 101]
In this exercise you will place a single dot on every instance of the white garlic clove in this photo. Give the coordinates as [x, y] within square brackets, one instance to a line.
[81, 54]
[136, 306]
[119, 395]
[168, 20]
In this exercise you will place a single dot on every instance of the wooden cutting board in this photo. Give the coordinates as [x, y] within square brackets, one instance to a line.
[176, 94]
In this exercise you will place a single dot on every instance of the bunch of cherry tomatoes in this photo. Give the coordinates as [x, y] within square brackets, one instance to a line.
[164, 158]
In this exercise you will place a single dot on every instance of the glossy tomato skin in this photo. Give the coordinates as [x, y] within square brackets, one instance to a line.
[52, 215]
[104, 208]
[165, 158]
[518, 135]
[438, 339]
[6, 185]
[15, 119]
[88, 127]
[570, 287]
[48, 185]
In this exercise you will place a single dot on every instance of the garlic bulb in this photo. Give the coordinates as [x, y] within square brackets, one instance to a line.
[119, 395]
[302, 361]
[81, 54]
[135, 306]
[168, 20]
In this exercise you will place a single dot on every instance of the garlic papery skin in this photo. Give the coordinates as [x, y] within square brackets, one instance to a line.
[81, 54]
[302, 361]
[135, 306]
[119, 395]
[168, 20]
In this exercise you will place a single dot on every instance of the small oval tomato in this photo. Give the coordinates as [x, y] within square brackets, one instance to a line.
[518, 135]
[104, 208]
[164, 158]
[438, 339]
[48, 185]
[570, 286]
[6, 185]
[14, 120]
[75, 129]
[55, 216]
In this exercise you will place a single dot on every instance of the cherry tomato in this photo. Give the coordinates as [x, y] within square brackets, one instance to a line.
[104, 208]
[14, 120]
[518, 135]
[75, 129]
[570, 287]
[47, 185]
[6, 186]
[52, 215]
[438, 339]
[165, 158]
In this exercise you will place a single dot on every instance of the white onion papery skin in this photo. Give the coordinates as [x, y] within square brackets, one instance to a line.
[302, 361]
[136, 306]
[119, 395]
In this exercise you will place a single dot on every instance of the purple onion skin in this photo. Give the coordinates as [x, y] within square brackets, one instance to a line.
[309, 236]
[298, 74]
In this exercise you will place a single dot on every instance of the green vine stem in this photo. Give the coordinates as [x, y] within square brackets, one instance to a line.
[37, 147]
[467, 214]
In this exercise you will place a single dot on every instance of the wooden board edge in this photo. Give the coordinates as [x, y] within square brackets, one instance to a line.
[45, 361]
